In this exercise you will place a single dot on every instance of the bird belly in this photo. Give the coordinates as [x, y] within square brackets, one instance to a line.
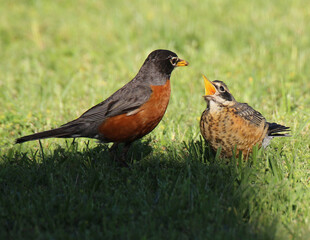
[129, 127]
[230, 131]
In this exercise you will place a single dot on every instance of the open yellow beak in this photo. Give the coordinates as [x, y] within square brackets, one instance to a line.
[181, 63]
[209, 88]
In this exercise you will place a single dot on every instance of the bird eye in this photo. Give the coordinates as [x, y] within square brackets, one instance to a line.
[174, 61]
[222, 89]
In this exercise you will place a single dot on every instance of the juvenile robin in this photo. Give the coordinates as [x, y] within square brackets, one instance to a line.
[234, 126]
[128, 114]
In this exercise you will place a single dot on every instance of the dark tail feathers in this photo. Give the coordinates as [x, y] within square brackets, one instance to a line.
[62, 132]
[277, 130]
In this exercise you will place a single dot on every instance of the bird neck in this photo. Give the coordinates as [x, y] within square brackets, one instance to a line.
[160, 80]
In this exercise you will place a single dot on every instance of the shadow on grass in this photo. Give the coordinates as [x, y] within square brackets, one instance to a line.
[174, 193]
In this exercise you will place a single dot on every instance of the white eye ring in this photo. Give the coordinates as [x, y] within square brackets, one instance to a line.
[174, 61]
[222, 89]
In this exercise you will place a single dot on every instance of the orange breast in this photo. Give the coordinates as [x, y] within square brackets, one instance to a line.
[127, 128]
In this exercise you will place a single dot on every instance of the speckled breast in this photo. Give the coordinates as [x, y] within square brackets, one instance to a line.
[228, 130]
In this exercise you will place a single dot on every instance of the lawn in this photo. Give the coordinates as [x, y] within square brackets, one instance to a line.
[58, 58]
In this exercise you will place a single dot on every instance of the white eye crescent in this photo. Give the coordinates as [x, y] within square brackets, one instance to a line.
[174, 61]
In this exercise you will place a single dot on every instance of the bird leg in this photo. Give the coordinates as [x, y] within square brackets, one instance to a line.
[113, 148]
[122, 159]
[112, 151]
[125, 151]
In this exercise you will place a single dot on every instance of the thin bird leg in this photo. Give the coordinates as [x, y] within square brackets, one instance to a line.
[125, 150]
[121, 160]
[112, 151]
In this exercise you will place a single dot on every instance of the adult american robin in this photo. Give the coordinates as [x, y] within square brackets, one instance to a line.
[234, 126]
[131, 112]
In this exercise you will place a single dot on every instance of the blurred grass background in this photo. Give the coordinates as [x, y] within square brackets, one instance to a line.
[58, 58]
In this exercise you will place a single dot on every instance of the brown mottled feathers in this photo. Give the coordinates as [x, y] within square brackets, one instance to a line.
[229, 125]
[248, 113]
[228, 129]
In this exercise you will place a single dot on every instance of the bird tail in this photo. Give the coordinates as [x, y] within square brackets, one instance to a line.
[277, 130]
[61, 132]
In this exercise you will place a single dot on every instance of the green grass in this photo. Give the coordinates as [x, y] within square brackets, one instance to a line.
[58, 58]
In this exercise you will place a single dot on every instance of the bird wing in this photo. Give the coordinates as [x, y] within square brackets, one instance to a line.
[247, 112]
[125, 100]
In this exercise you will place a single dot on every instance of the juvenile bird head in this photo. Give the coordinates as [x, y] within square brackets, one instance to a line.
[217, 93]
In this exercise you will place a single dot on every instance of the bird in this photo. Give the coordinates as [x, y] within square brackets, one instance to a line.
[232, 127]
[128, 114]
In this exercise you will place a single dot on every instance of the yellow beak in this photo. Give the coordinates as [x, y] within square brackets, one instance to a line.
[209, 88]
[181, 63]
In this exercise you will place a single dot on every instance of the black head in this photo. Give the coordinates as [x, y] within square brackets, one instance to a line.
[164, 61]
